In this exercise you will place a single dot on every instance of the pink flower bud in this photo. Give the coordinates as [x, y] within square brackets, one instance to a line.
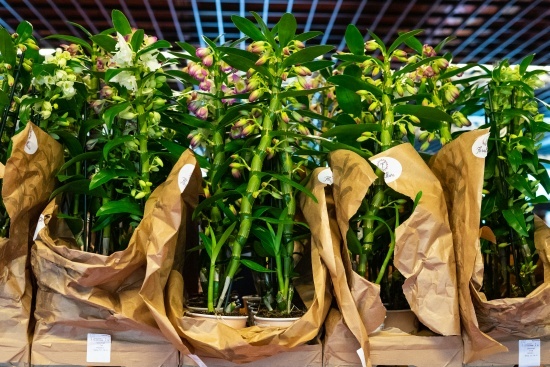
[248, 130]
[302, 70]
[202, 113]
[202, 52]
[428, 51]
[236, 173]
[255, 95]
[262, 60]
[208, 60]
[205, 85]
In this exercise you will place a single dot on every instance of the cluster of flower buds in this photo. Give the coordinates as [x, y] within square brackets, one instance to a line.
[196, 70]
[196, 138]
[242, 128]
[399, 55]
[428, 51]
[206, 56]
[451, 92]
[195, 104]
[293, 46]
[460, 120]
[426, 137]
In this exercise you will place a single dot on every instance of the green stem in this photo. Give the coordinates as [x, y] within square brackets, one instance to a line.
[389, 254]
[211, 278]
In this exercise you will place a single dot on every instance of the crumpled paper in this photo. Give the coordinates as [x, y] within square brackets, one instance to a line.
[29, 179]
[459, 166]
[120, 294]
[212, 339]
[424, 248]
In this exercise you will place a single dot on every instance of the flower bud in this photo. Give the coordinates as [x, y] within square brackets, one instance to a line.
[302, 70]
[202, 113]
[284, 116]
[371, 45]
[202, 52]
[255, 95]
[208, 61]
[428, 51]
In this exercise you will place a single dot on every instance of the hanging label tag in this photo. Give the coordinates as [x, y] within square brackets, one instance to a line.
[98, 348]
[326, 177]
[184, 175]
[39, 226]
[31, 146]
[529, 353]
[361, 355]
[479, 148]
[390, 166]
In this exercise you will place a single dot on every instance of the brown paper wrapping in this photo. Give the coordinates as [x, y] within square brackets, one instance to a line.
[28, 182]
[423, 249]
[211, 339]
[527, 317]
[461, 175]
[121, 294]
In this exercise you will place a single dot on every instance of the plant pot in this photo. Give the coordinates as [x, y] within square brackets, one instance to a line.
[274, 321]
[404, 320]
[236, 322]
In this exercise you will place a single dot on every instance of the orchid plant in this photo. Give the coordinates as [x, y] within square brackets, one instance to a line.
[250, 114]
[380, 107]
[104, 98]
[18, 53]
[513, 175]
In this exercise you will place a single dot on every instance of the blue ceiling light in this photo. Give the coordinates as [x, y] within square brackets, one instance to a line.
[219, 17]
[197, 17]
[158, 31]
[175, 20]
[331, 22]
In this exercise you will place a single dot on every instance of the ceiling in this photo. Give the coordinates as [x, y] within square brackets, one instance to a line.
[486, 30]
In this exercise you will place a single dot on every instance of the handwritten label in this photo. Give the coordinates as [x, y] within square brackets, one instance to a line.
[529, 353]
[31, 146]
[326, 177]
[184, 175]
[362, 357]
[39, 226]
[479, 148]
[390, 166]
[98, 348]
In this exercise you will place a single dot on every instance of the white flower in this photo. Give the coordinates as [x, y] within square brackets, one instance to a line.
[149, 60]
[125, 79]
[68, 88]
[123, 56]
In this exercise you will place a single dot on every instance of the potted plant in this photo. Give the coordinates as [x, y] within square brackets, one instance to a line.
[382, 107]
[250, 117]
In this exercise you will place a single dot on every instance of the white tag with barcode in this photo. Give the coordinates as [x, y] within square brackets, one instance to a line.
[98, 348]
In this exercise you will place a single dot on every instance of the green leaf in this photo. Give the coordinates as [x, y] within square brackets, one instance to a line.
[252, 265]
[120, 22]
[7, 48]
[524, 64]
[521, 184]
[307, 36]
[119, 207]
[155, 46]
[79, 158]
[4, 98]
[354, 245]
[24, 30]
[318, 65]
[267, 239]
[85, 45]
[287, 29]
[112, 112]
[184, 77]
[417, 200]
[514, 218]
[288, 181]
[70, 141]
[114, 143]
[443, 43]
[191, 50]
[267, 33]
[354, 84]
[174, 148]
[354, 71]
[402, 38]
[349, 101]
[302, 92]
[80, 186]
[248, 28]
[306, 54]
[106, 42]
[488, 206]
[350, 131]
[354, 40]
[137, 39]
[450, 73]
[107, 174]
[379, 41]
[515, 159]
[316, 116]
[332, 146]
[86, 32]
[414, 43]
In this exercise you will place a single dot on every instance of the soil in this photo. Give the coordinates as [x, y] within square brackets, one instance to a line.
[277, 314]
[233, 313]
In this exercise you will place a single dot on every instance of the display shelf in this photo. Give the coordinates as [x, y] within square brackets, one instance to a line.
[511, 358]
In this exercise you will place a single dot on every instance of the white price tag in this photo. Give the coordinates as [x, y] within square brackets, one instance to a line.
[529, 353]
[31, 146]
[39, 226]
[325, 176]
[390, 166]
[184, 175]
[98, 348]
[479, 148]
